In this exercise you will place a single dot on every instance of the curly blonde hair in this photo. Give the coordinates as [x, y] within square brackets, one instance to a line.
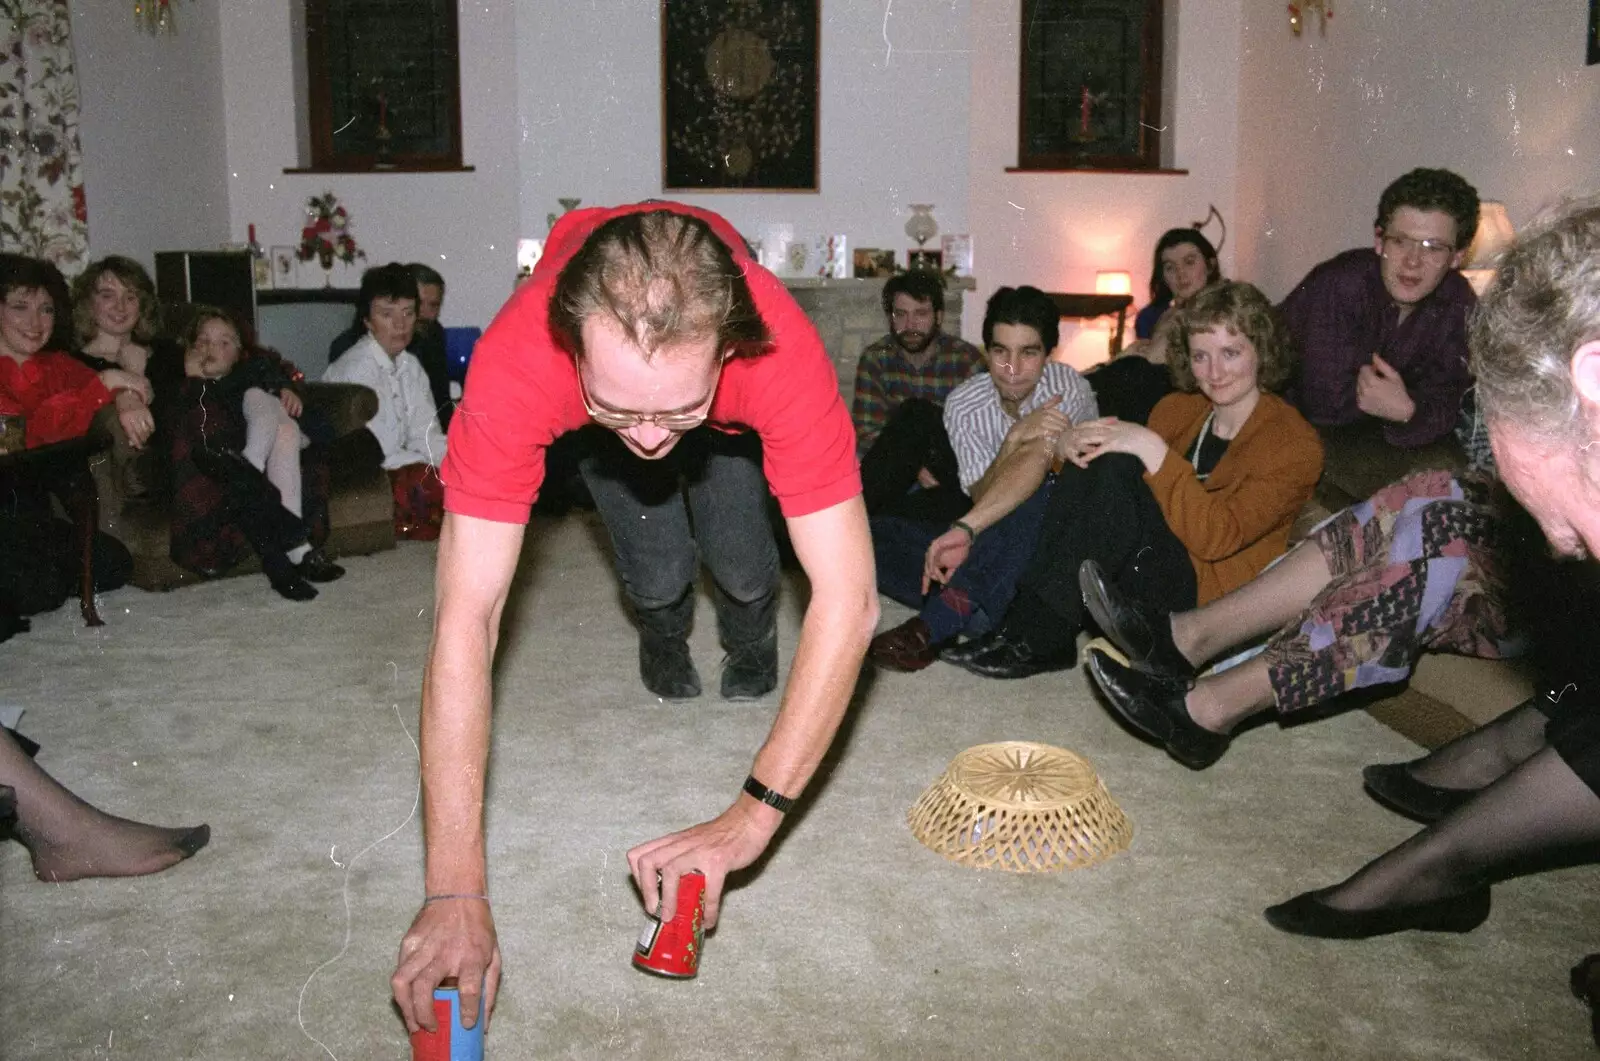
[1241, 308]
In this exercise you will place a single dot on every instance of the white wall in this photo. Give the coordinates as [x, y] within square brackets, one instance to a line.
[1056, 230]
[1497, 92]
[154, 148]
[463, 224]
[893, 117]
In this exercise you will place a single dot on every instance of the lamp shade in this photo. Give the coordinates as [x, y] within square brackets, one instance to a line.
[1494, 237]
[1113, 283]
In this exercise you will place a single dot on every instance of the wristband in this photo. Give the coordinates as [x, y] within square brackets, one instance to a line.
[972, 535]
[452, 895]
[772, 799]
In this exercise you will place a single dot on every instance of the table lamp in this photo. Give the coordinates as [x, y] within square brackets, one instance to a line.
[1493, 239]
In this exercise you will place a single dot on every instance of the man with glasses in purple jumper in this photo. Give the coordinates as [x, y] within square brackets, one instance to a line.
[1383, 332]
[652, 321]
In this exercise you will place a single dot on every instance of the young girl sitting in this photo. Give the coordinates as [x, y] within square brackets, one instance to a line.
[237, 463]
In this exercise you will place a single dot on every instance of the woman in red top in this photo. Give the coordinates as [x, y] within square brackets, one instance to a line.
[57, 397]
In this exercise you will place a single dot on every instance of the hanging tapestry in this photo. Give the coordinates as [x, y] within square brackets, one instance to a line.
[42, 211]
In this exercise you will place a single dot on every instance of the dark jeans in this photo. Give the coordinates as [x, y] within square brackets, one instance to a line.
[980, 591]
[705, 500]
[1105, 513]
[913, 438]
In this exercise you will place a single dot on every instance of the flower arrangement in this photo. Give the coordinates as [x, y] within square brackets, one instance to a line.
[326, 235]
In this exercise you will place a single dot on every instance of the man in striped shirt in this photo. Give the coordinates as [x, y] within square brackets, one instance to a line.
[902, 380]
[1003, 426]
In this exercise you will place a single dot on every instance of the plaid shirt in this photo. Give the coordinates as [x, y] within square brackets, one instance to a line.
[884, 379]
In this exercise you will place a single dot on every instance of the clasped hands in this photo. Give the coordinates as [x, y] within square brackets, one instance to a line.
[1084, 442]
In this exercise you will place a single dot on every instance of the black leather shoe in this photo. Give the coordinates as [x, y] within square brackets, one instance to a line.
[1152, 703]
[751, 671]
[316, 567]
[1142, 632]
[1308, 915]
[666, 668]
[285, 578]
[1393, 785]
[960, 652]
[1009, 659]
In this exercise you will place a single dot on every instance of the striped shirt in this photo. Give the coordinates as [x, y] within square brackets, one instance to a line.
[885, 378]
[977, 424]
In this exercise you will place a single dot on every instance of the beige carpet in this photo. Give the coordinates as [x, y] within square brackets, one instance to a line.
[287, 727]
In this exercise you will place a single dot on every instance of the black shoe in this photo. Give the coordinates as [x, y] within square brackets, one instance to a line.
[960, 652]
[1152, 703]
[1007, 658]
[1308, 915]
[751, 671]
[666, 668]
[1142, 632]
[316, 567]
[285, 578]
[1394, 786]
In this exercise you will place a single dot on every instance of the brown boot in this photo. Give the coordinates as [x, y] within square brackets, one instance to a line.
[908, 647]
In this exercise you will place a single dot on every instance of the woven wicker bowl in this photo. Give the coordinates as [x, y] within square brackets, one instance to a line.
[1022, 807]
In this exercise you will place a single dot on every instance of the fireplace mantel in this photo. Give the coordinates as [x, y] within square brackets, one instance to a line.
[848, 314]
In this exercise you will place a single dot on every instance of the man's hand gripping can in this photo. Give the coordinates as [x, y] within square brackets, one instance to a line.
[451, 1042]
[672, 947]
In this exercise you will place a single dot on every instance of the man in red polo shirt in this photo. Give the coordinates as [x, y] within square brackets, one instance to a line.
[649, 320]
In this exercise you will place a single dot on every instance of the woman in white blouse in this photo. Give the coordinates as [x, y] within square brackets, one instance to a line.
[407, 424]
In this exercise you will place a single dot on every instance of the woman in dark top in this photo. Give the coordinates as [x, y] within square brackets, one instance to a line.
[1185, 261]
[114, 323]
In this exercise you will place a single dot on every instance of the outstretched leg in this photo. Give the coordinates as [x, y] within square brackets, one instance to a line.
[1438, 879]
[69, 839]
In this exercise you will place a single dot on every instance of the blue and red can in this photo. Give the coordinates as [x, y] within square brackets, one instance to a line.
[671, 947]
[451, 1042]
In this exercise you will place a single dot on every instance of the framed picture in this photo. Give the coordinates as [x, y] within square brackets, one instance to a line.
[933, 261]
[1594, 32]
[285, 269]
[1091, 84]
[383, 85]
[957, 249]
[871, 262]
[739, 91]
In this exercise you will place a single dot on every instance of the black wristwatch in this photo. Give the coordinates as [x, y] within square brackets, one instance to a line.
[772, 799]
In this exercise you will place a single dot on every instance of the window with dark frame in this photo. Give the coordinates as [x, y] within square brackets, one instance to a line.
[1091, 85]
[383, 85]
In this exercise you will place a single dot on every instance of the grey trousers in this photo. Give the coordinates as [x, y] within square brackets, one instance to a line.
[706, 501]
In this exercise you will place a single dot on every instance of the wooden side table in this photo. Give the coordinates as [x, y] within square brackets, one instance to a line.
[62, 468]
[1086, 306]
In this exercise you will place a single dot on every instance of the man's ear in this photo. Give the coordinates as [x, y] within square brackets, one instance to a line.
[1377, 239]
[1585, 369]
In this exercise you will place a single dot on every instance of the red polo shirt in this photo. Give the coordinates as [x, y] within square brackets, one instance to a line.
[522, 392]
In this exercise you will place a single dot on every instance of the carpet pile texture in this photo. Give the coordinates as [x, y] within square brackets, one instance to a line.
[288, 727]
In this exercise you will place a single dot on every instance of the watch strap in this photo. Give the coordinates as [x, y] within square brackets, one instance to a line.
[757, 790]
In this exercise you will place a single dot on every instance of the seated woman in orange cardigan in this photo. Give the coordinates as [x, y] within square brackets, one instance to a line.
[1181, 511]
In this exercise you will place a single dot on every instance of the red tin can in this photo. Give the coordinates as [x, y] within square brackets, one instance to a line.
[451, 1042]
[672, 947]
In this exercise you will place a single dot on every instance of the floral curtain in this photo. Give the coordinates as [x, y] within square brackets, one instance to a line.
[42, 211]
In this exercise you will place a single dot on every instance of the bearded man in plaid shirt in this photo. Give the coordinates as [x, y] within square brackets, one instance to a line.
[907, 466]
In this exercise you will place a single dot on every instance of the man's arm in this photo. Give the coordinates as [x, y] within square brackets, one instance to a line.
[1014, 477]
[456, 937]
[1440, 381]
[1324, 316]
[836, 551]
[869, 406]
